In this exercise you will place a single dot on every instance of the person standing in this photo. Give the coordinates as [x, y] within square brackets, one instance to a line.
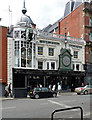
[53, 88]
[6, 91]
[50, 86]
[59, 88]
[9, 89]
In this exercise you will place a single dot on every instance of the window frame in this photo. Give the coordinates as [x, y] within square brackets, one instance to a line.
[51, 51]
[75, 54]
[40, 68]
[40, 50]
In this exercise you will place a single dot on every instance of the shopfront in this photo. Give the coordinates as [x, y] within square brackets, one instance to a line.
[23, 78]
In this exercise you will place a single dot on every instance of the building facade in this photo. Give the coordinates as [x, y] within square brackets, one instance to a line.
[3, 58]
[77, 19]
[34, 57]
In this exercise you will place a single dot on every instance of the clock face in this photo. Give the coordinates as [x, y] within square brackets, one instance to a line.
[66, 60]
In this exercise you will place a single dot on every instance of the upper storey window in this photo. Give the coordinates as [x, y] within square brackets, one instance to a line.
[17, 34]
[23, 34]
[75, 54]
[40, 50]
[51, 51]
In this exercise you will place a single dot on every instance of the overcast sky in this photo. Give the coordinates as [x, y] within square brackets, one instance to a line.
[42, 12]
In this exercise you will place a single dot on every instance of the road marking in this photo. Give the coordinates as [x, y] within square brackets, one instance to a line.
[9, 107]
[53, 102]
[87, 114]
[63, 105]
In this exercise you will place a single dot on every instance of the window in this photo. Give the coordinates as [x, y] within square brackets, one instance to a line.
[16, 34]
[73, 67]
[52, 65]
[16, 52]
[23, 34]
[47, 65]
[40, 50]
[77, 66]
[91, 56]
[75, 54]
[40, 65]
[51, 51]
[90, 37]
[90, 22]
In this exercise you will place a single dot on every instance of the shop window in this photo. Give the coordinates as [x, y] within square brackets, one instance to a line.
[40, 65]
[77, 66]
[75, 54]
[40, 50]
[51, 51]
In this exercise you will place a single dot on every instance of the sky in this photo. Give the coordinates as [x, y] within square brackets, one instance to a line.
[42, 12]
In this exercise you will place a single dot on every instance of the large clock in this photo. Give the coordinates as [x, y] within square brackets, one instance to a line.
[66, 60]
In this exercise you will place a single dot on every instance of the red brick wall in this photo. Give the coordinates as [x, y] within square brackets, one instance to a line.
[0, 53]
[3, 54]
[74, 23]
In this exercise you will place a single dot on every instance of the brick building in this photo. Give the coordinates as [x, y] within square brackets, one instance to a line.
[78, 22]
[3, 57]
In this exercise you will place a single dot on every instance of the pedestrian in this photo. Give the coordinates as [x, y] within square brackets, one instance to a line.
[9, 89]
[6, 91]
[53, 88]
[50, 86]
[40, 85]
[59, 89]
[82, 85]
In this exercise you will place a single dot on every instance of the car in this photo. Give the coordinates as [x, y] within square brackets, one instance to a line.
[42, 92]
[84, 90]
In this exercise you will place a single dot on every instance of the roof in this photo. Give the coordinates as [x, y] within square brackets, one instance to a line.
[26, 18]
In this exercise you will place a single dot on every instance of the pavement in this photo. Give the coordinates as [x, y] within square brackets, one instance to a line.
[62, 94]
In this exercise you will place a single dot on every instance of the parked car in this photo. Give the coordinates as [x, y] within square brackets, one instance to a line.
[42, 93]
[84, 90]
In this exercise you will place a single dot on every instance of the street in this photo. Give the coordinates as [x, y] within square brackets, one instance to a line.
[42, 108]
